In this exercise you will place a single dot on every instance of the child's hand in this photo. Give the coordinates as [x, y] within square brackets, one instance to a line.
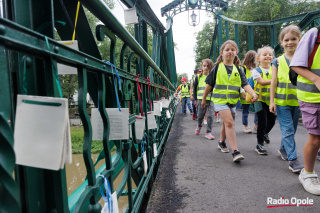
[203, 104]
[254, 98]
[191, 98]
[272, 108]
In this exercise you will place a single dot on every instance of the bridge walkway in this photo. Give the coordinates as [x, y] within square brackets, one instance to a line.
[196, 177]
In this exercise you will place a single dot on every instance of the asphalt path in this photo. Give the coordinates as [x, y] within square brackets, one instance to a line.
[195, 176]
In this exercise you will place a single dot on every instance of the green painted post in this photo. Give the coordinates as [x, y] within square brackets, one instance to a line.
[227, 29]
[250, 37]
[171, 57]
[214, 50]
[236, 34]
[220, 41]
[274, 36]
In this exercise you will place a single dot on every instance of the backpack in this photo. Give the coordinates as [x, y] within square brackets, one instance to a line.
[293, 76]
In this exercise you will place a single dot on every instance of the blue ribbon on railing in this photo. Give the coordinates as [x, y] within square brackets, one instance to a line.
[119, 82]
[143, 142]
[107, 199]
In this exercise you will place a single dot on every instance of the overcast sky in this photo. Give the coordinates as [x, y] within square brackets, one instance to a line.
[183, 34]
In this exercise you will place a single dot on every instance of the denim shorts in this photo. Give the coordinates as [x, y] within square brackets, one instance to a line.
[311, 116]
[220, 107]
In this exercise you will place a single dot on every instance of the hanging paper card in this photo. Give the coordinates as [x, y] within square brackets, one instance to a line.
[156, 108]
[155, 150]
[130, 16]
[64, 69]
[145, 164]
[160, 103]
[168, 114]
[42, 132]
[140, 125]
[165, 103]
[151, 120]
[119, 124]
[115, 207]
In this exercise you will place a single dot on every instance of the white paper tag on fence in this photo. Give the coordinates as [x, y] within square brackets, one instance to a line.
[130, 16]
[140, 125]
[168, 114]
[42, 132]
[160, 103]
[145, 164]
[151, 121]
[119, 124]
[155, 150]
[114, 207]
[64, 69]
[165, 103]
[156, 108]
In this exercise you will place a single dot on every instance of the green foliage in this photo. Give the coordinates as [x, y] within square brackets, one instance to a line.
[203, 43]
[77, 135]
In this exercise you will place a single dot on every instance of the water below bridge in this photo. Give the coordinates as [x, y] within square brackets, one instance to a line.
[196, 177]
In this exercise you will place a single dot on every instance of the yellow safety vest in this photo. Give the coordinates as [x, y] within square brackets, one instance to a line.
[248, 75]
[265, 93]
[185, 91]
[201, 87]
[307, 91]
[226, 90]
[286, 92]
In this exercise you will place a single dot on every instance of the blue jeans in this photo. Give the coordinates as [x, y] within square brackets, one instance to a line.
[288, 117]
[245, 114]
[186, 101]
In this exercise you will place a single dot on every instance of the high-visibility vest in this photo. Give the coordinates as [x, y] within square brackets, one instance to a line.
[307, 91]
[226, 90]
[248, 75]
[265, 93]
[286, 92]
[185, 91]
[201, 87]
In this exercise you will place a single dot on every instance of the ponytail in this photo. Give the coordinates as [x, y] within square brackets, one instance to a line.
[236, 61]
[219, 60]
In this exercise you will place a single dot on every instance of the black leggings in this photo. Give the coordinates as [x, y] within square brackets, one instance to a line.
[266, 121]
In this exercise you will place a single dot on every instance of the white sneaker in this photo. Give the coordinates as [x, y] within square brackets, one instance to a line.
[255, 130]
[205, 122]
[247, 130]
[310, 182]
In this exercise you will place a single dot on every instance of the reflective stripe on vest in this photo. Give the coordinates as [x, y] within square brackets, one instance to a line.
[265, 90]
[307, 91]
[286, 92]
[226, 90]
[201, 87]
[184, 91]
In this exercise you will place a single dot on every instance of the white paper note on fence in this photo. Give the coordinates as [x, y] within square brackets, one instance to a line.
[160, 102]
[115, 207]
[42, 132]
[155, 150]
[130, 16]
[168, 114]
[119, 124]
[156, 108]
[151, 121]
[64, 69]
[140, 126]
[145, 163]
[165, 103]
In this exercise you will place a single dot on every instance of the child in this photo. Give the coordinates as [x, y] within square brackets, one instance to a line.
[283, 97]
[198, 90]
[197, 71]
[262, 75]
[249, 63]
[226, 79]
[185, 96]
[308, 93]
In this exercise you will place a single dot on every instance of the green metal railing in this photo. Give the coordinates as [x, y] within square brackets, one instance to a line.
[39, 190]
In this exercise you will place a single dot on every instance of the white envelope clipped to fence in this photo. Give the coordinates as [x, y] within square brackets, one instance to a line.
[151, 120]
[119, 124]
[156, 108]
[140, 125]
[42, 132]
[64, 69]
[165, 103]
[130, 16]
